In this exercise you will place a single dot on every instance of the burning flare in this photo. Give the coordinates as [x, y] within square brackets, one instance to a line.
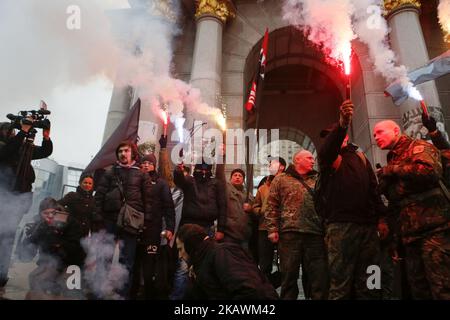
[444, 18]
[164, 117]
[221, 121]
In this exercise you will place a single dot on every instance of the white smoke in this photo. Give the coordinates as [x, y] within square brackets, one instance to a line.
[325, 23]
[372, 29]
[444, 17]
[331, 24]
[103, 277]
[41, 54]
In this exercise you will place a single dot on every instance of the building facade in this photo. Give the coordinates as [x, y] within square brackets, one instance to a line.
[218, 52]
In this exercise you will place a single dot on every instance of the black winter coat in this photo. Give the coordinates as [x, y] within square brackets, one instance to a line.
[203, 202]
[59, 244]
[81, 206]
[136, 187]
[352, 188]
[225, 271]
[162, 208]
[10, 157]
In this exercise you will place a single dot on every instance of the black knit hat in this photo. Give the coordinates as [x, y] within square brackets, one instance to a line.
[150, 157]
[238, 170]
[50, 203]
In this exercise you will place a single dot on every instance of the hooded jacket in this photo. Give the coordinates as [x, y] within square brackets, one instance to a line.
[224, 271]
[204, 201]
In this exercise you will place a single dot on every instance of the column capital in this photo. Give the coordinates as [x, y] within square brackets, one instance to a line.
[220, 9]
[164, 8]
[393, 6]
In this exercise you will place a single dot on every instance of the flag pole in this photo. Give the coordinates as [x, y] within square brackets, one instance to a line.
[256, 104]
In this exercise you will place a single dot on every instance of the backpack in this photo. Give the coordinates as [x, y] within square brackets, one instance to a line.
[321, 192]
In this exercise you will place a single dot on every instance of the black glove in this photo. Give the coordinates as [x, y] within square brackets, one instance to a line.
[429, 123]
[163, 141]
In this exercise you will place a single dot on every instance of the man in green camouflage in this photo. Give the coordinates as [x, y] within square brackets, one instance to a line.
[292, 222]
[411, 182]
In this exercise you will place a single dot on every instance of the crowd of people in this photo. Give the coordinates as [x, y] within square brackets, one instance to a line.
[204, 236]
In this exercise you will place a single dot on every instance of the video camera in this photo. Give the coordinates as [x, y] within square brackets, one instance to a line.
[35, 118]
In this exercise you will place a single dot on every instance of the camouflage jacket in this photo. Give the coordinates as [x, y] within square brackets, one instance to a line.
[410, 182]
[290, 207]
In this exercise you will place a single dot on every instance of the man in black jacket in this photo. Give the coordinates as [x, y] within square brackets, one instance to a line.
[204, 202]
[351, 212]
[15, 188]
[221, 271]
[124, 182]
[148, 253]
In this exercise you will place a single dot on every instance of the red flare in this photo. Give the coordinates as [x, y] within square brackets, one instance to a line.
[424, 108]
[165, 119]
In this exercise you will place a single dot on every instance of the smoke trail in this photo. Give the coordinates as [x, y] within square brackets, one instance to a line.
[325, 23]
[444, 17]
[330, 25]
[372, 29]
[131, 48]
[103, 277]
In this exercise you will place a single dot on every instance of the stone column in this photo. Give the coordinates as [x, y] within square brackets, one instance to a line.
[211, 16]
[408, 42]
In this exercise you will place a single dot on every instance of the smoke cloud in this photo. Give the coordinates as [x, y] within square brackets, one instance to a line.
[333, 24]
[47, 53]
[444, 17]
[104, 277]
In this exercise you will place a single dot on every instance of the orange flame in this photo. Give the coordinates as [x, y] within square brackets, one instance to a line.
[164, 117]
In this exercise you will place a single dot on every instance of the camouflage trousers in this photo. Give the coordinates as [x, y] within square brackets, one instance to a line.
[428, 267]
[308, 250]
[352, 248]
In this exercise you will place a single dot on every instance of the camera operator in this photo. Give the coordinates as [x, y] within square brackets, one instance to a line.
[56, 234]
[16, 179]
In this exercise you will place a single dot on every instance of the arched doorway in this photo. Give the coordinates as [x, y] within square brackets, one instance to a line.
[301, 94]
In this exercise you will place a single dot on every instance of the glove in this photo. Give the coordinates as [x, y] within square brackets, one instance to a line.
[429, 123]
[163, 141]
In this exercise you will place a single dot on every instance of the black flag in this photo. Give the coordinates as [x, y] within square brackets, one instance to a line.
[127, 130]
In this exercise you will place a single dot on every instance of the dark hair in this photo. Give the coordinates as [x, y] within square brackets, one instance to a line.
[238, 170]
[133, 147]
[187, 169]
[84, 176]
[192, 235]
